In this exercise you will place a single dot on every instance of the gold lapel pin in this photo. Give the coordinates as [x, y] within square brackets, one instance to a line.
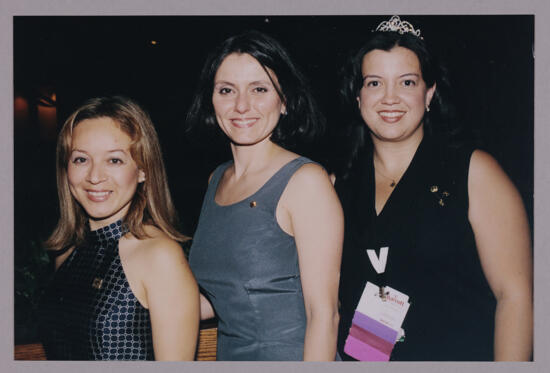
[97, 283]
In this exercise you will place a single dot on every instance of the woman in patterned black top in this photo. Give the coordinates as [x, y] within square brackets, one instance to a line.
[122, 289]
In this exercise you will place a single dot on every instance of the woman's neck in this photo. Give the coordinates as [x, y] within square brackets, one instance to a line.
[252, 158]
[393, 158]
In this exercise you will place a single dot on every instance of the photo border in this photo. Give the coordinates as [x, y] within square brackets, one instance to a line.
[541, 10]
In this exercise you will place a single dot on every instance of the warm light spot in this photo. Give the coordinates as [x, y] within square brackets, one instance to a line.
[47, 118]
[153, 42]
[20, 109]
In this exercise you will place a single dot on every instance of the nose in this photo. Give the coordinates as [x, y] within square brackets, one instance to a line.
[242, 104]
[95, 174]
[390, 95]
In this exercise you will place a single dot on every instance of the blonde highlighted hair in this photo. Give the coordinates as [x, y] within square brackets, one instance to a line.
[151, 204]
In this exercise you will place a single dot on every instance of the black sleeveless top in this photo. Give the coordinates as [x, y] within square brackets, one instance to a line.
[432, 255]
[247, 266]
[82, 320]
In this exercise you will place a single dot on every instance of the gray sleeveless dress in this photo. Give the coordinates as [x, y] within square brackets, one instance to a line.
[248, 268]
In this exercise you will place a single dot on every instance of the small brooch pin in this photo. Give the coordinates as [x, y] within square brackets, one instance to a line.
[97, 283]
[253, 204]
[440, 196]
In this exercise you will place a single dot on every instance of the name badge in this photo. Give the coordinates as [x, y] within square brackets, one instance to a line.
[390, 309]
[376, 325]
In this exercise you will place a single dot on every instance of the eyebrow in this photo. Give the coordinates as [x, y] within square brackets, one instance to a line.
[400, 76]
[223, 82]
[413, 74]
[371, 76]
[108, 151]
[256, 82]
[268, 82]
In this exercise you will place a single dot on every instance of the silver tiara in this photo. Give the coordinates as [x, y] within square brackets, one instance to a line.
[395, 24]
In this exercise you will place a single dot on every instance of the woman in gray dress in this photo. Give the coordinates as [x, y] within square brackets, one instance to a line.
[267, 249]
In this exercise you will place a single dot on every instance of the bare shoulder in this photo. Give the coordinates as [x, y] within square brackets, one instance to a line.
[484, 169]
[482, 162]
[490, 189]
[157, 248]
[309, 174]
[309, 183]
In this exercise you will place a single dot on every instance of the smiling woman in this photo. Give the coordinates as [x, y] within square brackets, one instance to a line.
[102, 175]
[245, 99]
[393, 92]
[266, 251]
[426, 220]
[122, 289]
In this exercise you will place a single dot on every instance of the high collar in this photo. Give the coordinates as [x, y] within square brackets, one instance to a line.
[109, 233]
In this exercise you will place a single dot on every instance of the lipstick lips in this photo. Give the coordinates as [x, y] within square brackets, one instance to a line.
[243, 122]
[391, 116]
[98, 195]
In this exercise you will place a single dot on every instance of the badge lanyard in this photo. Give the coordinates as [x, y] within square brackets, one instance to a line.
[376, 323]
[380, 260]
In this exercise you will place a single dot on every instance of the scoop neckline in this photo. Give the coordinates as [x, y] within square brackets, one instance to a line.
[253, 194]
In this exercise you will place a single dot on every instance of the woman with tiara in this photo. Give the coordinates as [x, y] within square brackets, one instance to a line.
[437, 232]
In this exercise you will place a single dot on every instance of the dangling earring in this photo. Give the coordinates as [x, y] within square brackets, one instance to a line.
[428, 108]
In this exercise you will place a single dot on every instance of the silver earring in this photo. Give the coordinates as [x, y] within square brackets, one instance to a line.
[428, 108]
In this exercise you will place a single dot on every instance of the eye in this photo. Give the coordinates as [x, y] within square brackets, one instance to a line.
[260, 89]
[373, 83]
[116, 161]
[409, 83]
[224, 91]
[78, 160]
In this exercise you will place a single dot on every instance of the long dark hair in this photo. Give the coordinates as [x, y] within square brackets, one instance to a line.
[439, 121]
[303, 121]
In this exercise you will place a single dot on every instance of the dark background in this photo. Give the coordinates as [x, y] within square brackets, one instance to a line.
[61, 61]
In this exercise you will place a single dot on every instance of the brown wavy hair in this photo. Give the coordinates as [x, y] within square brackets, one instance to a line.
[151, 204]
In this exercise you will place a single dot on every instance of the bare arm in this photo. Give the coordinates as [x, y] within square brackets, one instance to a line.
[173, 301]
[502, 236]
[318, 226]
[207, 312]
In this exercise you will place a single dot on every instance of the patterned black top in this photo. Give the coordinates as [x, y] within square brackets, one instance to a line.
[82, 319]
